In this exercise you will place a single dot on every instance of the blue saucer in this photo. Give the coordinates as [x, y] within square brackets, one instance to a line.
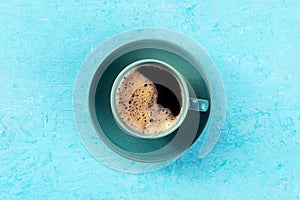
[91, 106]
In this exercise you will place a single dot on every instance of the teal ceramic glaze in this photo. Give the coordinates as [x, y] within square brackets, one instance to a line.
[91, 100]
[129, 146]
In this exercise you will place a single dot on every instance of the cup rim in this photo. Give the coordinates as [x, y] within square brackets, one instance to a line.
[183, 87]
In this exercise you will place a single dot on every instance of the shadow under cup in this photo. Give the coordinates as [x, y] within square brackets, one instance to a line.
[141, 149]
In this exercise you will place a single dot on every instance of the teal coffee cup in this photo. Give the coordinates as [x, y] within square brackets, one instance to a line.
[151, 99]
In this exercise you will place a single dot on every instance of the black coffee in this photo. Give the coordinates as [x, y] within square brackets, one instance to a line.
[149, 99]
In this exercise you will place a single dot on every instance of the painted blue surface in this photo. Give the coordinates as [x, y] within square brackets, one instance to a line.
[256, 46]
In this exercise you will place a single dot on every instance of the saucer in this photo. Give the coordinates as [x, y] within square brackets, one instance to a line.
[91, 106]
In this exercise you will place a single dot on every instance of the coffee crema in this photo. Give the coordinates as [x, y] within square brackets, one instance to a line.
[138, 102]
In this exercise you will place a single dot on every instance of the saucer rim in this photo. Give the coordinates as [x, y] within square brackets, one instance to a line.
[87, 72]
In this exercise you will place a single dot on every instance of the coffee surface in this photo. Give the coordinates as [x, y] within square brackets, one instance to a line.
[137, 104]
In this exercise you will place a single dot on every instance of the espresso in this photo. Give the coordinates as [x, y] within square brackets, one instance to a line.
[149, 99]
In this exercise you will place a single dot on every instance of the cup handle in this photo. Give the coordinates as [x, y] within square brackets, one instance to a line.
[198, 105]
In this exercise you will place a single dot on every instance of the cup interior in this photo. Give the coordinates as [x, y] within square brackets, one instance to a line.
[169, 77]
[141, 149]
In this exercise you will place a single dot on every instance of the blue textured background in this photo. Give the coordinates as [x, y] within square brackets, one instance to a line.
[256, 46]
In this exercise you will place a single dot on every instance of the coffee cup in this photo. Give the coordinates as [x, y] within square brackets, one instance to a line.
[150, 99]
